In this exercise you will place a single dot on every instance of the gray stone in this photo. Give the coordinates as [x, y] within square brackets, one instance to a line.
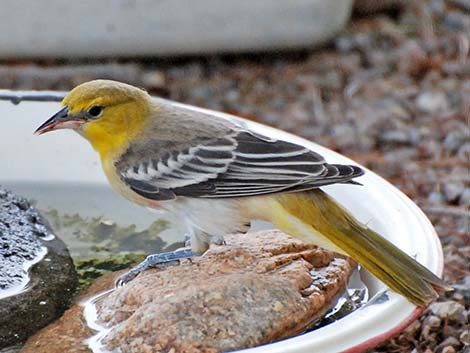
[456, 20]
[448, 345]
[432, 102]
[436, 197]
[447, 310]
[430, 324]
[464, 199]
[464, 152]
[448, 349]
[396, 137]
[37, 276]
[465, 337]
[432, 321]
[452, 191]
[345, 134]
[455, 139]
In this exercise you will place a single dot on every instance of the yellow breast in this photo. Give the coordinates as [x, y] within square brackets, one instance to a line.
[123, 189]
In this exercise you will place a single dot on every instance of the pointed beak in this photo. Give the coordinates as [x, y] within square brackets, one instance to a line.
[60, 120]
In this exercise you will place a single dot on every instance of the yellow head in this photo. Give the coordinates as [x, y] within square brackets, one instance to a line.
[107, 113]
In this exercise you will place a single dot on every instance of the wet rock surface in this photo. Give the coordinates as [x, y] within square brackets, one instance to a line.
[37, 277]
[21, 235]
[258, 288]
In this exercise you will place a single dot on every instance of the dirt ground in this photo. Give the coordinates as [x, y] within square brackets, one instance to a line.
[392, 92]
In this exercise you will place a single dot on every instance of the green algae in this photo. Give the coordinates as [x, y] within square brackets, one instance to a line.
[100, 246]
[98, 236]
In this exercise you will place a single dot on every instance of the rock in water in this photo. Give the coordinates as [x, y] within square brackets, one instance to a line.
[37, 276]
[258, 288]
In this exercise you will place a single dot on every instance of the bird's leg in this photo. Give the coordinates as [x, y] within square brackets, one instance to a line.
[165, 259]
[199, 244]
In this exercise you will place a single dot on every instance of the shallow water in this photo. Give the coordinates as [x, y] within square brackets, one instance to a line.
[86, 216]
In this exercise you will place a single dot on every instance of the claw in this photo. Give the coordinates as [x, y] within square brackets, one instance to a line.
[187, 241]
[126, 277]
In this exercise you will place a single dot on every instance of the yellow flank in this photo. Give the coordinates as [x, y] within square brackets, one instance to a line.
[293, 225]
[121, 188]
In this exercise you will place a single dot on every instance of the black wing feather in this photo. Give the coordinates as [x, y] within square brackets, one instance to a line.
[243, 164]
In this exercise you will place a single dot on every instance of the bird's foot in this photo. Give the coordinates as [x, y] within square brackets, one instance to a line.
[154, 260]
[219, 241]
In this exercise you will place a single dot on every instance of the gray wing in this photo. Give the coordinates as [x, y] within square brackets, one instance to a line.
[239, 164]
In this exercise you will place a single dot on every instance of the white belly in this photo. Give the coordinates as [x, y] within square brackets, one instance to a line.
[214, 217]
[207, 221]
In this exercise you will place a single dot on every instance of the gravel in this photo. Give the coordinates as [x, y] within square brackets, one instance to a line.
[448, 310]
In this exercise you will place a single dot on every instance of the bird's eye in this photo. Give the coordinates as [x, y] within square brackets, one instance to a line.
[95, 110]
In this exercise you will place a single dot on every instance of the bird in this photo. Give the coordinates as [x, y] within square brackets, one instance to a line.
[217, 176]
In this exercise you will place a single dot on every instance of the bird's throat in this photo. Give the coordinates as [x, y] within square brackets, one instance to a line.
[105, 141]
